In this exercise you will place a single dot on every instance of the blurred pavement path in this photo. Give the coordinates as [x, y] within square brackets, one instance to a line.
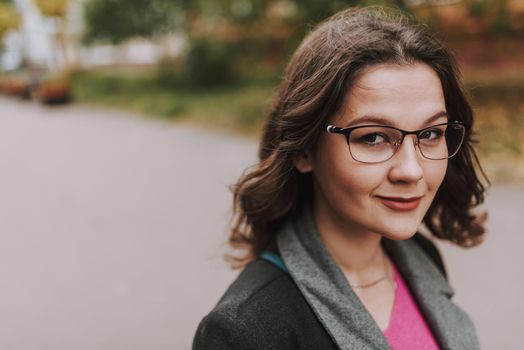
[112, 230]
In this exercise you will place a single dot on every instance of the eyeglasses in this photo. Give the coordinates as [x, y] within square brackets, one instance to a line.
[378, 143]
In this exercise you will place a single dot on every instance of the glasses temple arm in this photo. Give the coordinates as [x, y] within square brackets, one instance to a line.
[334, 129]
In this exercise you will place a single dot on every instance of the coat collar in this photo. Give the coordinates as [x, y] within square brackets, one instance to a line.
[338, 308]
[450, 325]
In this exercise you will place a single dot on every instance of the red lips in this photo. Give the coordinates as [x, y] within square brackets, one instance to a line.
[400, 203]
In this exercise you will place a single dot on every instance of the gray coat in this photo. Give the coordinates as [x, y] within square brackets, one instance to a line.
[264, 309]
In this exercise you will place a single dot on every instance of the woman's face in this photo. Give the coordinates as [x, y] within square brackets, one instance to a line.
[388, 198]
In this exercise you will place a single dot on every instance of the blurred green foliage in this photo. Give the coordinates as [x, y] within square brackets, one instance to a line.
[467, 19]
[53, 8]
[239, 107]
[208, 63]
[117, 20]
[497, 102]
[9, 19]
[499, 109]
[495, 12]
[237, 50]
[228, 39]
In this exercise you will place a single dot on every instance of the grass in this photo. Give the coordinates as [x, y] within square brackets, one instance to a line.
[496, 99]
[239, 107]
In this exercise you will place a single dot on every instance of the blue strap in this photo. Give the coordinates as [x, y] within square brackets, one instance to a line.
[273, 258]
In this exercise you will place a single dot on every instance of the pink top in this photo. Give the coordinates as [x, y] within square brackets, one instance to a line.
[407, 329]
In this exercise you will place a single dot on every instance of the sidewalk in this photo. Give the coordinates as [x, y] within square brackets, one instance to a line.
[113, 229]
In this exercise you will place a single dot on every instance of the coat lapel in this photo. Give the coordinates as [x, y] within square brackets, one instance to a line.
[338, 308]
[326, 290]
[450, 325]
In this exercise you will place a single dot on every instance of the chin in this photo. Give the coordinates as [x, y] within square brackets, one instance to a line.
[400, 232]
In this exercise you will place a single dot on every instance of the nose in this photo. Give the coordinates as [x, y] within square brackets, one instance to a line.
[406, 162]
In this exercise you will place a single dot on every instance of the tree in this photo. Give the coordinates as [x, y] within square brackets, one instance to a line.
[117, 20]
[226, 37]
[53, 8]
[8, 17]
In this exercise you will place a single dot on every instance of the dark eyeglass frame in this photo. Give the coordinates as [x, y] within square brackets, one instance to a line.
[347, 131]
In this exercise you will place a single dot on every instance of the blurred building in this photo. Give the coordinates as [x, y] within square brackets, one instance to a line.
[54, 44]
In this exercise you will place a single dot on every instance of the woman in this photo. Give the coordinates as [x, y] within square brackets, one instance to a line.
[369, 136]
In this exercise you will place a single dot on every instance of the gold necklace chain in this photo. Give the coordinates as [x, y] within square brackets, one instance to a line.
[371, 284]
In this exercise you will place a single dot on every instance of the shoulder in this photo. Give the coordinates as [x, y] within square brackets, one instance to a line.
[262, 309]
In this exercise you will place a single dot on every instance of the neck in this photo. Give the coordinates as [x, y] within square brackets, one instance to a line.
[358, 254]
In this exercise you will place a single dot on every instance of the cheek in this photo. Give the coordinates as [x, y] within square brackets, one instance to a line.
[436, 174]
[340, 178]
[361, 180]
[338, 174]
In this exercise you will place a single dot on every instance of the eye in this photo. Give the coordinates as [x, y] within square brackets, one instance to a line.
[373, 139]
[431, 134]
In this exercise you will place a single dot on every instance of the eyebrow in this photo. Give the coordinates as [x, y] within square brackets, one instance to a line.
[372, 119]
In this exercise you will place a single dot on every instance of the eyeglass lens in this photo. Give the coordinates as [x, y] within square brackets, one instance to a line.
[372, 144]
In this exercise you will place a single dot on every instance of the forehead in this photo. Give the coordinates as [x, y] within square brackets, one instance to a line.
[399, 95]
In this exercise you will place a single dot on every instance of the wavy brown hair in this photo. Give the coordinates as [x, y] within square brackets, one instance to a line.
[316, 80]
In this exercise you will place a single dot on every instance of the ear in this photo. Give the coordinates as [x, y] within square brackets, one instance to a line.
[303, 162]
